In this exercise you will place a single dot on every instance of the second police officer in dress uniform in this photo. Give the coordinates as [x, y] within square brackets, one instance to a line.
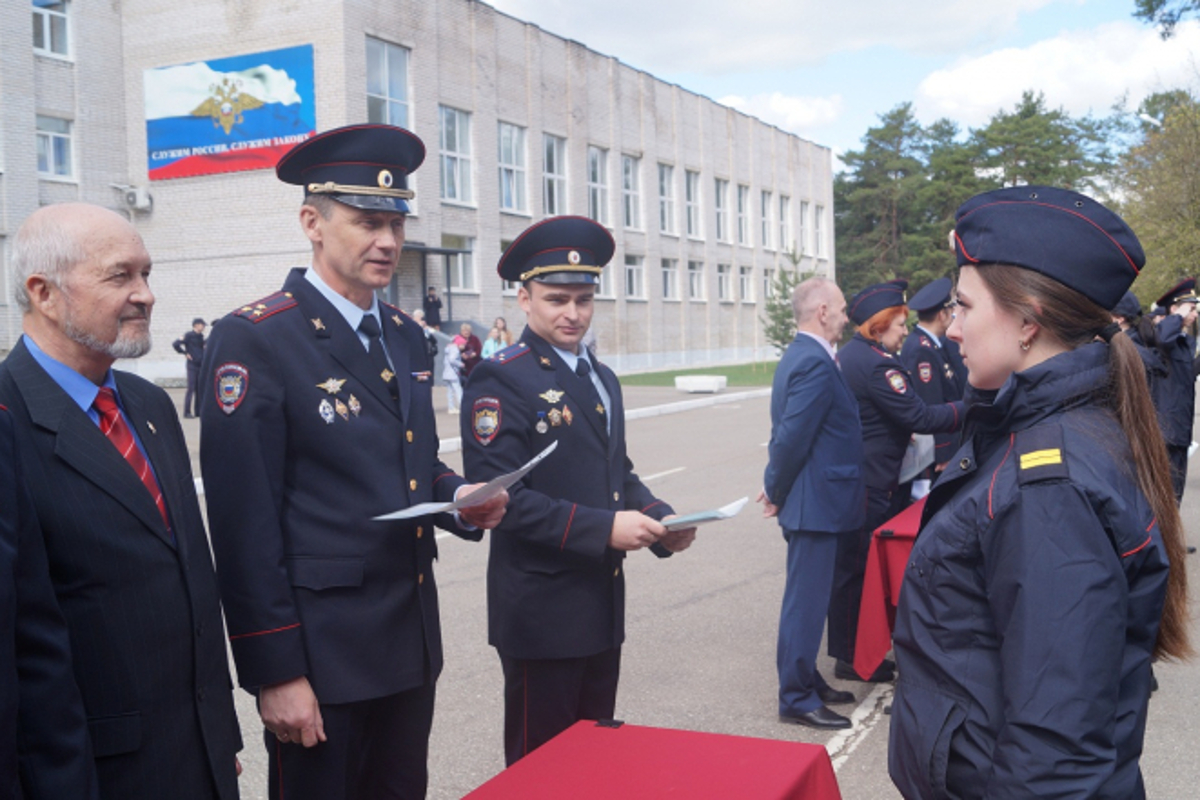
[1178, 409]
[891, 412]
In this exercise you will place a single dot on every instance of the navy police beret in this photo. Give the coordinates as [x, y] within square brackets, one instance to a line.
[933, 296]
[1128, 307]
[1062, 234]
[365, 166]
[558, 250]
[873, 299]
[1182, 292]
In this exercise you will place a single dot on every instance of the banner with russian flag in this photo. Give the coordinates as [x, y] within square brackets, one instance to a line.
[228, 114]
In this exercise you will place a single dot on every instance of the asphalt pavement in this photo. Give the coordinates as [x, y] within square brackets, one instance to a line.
[701, 626]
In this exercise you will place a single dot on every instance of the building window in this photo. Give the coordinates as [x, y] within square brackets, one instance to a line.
[554, 170]
[670, 279]
[746, 284]
[802, 231]
[387, 83]
[604, 284]
[666, 198]
[597, 182]
[819, 231]
[511, 159]
[724, 282]
[462, 265]
[721, 205]
[50, 28]
[634, 277]
[54, 147]
[786, 244]
[455, 140]
[508, 287]
[695, 280]
[765, 215]
[631, 191]
[691, 200]
[743, 215]
[768, 284]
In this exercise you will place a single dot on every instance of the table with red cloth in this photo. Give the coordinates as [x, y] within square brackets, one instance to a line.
[891, 544]
[593, 761]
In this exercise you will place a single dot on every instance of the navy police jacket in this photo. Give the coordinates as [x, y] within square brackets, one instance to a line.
[890, 409]
[555, 588]
[814, 472]
[301, 445]
[934, 380]
[1031, 602]
[1174, 396]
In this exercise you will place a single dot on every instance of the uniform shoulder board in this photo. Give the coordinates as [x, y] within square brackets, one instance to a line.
[510, 353]
[1040, 455]
[269, 306]
[924, 342]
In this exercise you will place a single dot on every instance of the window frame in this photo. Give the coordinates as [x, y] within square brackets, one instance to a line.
[725, 283]
[746, 284]
[802, 231]
[743, 215]
[786, 243]
[819, 231]
[597, 184]
[635, 277]
[692, 204]
[516, 171]
[631, 192]
[44, 17]
[696, 287]
[48, 139]
[460, 160]
[388, 100]
[666, 200]
[462, 264]
[764, 207]
[669, 269]
[554, 183]
[721, 209]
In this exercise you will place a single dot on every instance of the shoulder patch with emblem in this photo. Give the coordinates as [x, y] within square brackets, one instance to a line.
[925, 371]
[1040, 455]
[231, 381]
[269, 306]
[897, 381]
[485, 419]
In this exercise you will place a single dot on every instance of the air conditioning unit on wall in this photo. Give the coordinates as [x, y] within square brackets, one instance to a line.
[138, 198]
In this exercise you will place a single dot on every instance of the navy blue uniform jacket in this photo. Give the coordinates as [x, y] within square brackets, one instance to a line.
[1031, 602]
[312, 449]
[890, 409]
[934, 380]
[1175, 397]
[814, 474]
[555, 587]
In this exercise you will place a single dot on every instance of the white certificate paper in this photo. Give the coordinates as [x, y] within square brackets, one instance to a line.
[478, 497]
[705, 517]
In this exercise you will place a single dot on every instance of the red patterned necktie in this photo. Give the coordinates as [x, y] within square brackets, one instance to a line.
[113, 425]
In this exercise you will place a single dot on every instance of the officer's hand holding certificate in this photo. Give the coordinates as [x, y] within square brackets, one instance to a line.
[705, 517]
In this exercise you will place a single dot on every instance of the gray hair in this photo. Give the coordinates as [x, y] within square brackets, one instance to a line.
[809, 295]
[43, 246]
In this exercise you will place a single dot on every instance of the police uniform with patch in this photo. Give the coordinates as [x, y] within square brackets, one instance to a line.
[556, 590]
[1177, 411]
[1032, 597]
[932, 375]
[891, 411]
[306, 437]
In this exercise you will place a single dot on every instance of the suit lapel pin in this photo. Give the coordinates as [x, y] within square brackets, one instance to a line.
[332, 385]
[545, 362]
[326, 412]
[396, 319]
[317, 324]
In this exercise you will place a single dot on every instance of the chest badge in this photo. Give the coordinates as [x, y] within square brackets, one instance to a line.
[542, 426]
[325, 409]
[355, 406]
[551, 396]
[556, 418]
[567, 415]
[342, 410]
[332, 385]
[317, 324]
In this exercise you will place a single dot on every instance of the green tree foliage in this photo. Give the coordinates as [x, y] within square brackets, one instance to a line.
[779, 323]
[1165, 14]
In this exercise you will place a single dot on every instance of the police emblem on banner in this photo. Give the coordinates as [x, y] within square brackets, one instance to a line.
[485, 419]
[925, 370]
[895, 379]
[231, 382]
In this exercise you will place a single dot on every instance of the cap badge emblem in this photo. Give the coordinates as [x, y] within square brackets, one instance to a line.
[385, 179]
[573, 257]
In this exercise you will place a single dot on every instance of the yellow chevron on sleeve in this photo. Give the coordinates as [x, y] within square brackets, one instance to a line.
[1041, 458]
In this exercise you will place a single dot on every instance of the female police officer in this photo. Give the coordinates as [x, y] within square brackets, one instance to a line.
[1049, 569]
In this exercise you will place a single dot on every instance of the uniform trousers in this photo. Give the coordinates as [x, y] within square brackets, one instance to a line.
[1179, 464]
[375, 749]
[811, 556]
[852, 550]
[191, 397]
[544, 697]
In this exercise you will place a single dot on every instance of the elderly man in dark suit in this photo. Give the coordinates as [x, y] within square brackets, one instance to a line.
[106, 463]
[813, 485]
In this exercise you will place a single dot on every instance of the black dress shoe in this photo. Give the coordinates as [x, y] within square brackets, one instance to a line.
[845, 671]
[833, 697]
[820, 717]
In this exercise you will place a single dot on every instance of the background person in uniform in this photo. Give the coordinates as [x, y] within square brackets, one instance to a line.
[932, 373]
[191, 347]
[1032, 603]
[890, 412]
[110, 477]
[40, 707]
[556, 582]
[322, 419]
[432, 305]
[813, 485]
[1179, 407]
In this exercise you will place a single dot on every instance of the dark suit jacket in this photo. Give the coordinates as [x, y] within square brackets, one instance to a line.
[297, 459]
[143, 612]
[41, 713]
[555, 587]
[815, 473]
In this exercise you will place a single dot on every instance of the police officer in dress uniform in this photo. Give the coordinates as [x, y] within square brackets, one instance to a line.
[321, 419]
[556, 577]
[1178, 412]
[891, 412]
[932, 373]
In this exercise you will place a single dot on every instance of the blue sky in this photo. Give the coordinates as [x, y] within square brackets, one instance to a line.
[827, 70]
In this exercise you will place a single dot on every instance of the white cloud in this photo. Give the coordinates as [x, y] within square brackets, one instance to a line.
[713, 36]
[801, 115]
[1080, 71]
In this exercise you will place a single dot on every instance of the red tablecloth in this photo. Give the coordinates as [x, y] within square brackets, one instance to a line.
[891, 544]
[587, 762]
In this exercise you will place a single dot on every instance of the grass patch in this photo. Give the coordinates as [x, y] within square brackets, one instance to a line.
[754, 374]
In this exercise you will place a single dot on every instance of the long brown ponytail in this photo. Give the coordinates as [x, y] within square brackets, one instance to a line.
[1074, 320]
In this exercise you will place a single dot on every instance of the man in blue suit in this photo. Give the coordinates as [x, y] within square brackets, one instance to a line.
[814, 486]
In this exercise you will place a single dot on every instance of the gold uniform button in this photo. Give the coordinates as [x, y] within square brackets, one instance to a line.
[413, 484]
[420, 531]
[964, 464]
[408, 436]
[616, 495]
[421, 578]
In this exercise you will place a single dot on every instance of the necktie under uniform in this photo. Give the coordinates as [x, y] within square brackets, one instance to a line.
[583, 368]
[370, 326]
[113, 426]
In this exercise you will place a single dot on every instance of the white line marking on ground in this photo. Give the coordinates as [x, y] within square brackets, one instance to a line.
[663, 474]
[866, 716]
